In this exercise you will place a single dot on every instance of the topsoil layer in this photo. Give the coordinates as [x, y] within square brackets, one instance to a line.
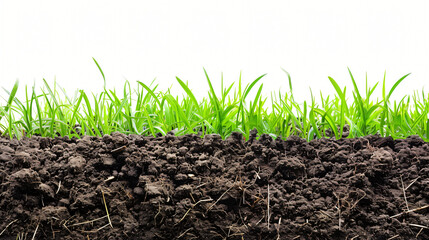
[187, 187]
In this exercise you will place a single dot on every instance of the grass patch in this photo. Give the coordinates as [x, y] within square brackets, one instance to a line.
[144, 110]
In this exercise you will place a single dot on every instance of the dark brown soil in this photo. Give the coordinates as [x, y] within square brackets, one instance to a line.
[189, 187]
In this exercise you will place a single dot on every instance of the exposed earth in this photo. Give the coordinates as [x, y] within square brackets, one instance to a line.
[188, 187]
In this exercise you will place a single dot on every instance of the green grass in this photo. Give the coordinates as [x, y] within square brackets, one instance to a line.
[145, 110]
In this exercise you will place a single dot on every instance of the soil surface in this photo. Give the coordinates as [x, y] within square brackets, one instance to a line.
[188, 187]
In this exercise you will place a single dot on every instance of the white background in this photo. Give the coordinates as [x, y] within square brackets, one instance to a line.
[141, 40]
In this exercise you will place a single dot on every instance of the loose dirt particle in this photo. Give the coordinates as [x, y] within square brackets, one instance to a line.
[77, 163]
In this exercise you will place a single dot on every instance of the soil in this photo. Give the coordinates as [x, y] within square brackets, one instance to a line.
[188, 187]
